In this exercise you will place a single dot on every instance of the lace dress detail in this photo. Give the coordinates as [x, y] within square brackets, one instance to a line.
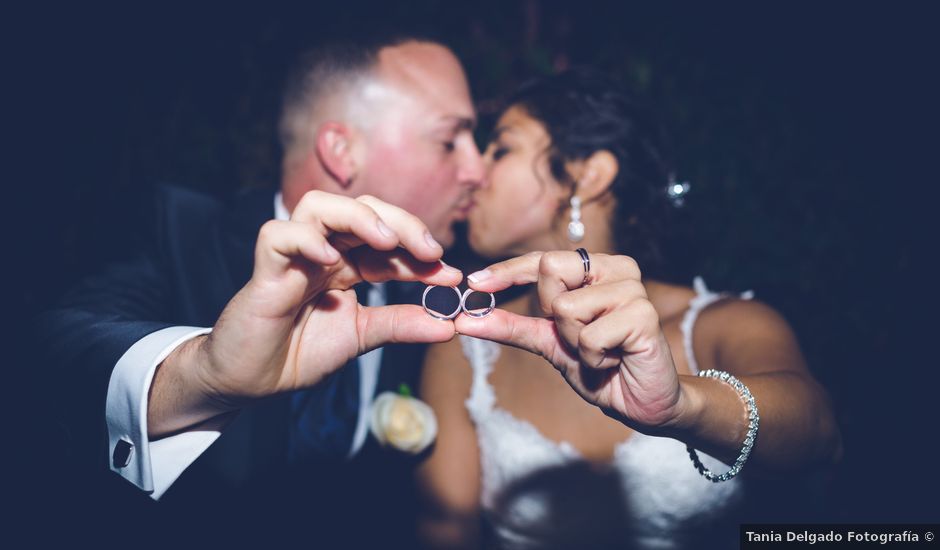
[538, 493]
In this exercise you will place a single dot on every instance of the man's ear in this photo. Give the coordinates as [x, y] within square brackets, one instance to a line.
[335, 151]
[595, 175]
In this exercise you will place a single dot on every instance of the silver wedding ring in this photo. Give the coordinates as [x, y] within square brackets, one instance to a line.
[586, 260]
[435, 314]
[474, 313]
[462, 306]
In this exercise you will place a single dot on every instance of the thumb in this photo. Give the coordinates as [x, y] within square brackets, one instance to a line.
[532, 334]
[400, 324]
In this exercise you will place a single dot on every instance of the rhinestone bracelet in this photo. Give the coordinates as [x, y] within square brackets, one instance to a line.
[753, 420]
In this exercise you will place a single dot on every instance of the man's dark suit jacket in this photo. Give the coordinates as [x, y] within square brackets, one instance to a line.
[198, 254]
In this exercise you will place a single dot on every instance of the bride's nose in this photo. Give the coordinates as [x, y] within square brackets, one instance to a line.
[487, 172]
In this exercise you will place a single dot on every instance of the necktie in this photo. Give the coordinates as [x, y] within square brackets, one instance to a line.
[323, 418]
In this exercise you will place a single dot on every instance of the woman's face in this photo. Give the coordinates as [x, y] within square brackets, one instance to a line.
[516, 208]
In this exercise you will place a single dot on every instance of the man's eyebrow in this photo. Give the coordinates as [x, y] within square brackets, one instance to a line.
[461, 123]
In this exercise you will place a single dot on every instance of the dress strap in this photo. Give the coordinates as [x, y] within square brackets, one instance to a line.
[482, 355]
[703, 298]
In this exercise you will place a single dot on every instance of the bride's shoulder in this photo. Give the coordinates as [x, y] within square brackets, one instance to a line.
[671, 301]
[731, 323]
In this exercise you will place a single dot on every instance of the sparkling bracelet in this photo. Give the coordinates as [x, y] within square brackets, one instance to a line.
[753, 420]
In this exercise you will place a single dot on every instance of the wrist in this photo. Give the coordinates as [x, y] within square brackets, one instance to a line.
[209, 395]
[688, 410]
[752, 422]
[179, 397]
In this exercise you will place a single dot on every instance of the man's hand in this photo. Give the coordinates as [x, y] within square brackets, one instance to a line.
[297, 319]
[604, 337]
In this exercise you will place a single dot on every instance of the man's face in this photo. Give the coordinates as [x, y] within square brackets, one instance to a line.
[419, 151]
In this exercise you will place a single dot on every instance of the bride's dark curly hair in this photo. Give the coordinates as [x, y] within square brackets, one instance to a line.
[585, 111]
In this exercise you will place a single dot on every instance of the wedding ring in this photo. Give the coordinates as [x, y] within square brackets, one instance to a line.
[482, 313]
[586, 260]
[435, 314]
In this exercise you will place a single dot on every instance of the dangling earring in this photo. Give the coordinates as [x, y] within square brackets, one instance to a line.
[575, 227]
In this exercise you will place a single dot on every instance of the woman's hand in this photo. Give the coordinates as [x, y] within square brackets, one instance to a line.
[604, 337]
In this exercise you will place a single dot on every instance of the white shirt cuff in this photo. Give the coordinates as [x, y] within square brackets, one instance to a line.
[151, 466]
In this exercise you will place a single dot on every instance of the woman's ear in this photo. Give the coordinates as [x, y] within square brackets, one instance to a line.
[335, 152]
[597, 173]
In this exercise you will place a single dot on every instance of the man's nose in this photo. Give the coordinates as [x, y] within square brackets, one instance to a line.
[471, 171]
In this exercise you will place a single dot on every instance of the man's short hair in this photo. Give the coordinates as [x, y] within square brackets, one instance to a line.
[328, 69]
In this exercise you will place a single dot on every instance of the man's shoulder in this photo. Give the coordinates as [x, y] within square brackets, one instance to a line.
[184, 208]
[173, 198]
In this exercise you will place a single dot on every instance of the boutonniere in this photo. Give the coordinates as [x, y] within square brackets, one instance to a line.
[402, 421]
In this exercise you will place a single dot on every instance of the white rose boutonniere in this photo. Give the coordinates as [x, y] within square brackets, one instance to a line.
[402, 421]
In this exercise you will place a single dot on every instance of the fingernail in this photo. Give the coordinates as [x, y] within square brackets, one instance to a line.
[384, 229]
[480, 276]
[431, 242]
[450, 268]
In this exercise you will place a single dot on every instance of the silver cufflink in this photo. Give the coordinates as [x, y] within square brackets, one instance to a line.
[123, 451]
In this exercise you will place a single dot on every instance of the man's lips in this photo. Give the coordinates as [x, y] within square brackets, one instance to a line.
[463, 209]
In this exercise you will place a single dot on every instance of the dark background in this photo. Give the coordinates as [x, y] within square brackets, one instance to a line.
[806, 132]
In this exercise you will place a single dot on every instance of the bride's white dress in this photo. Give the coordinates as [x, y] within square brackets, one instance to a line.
[538, 493]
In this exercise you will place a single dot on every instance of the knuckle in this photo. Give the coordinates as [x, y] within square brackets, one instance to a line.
[515, 332]
[535, 254]
[551, 262]
[564, 306]
[545, 307]
[648, 316]
[363, 212]
[409, 219]
[396, 328]
[528, 259]
[633, 288]
[268, 230]
[588, 340]
[628, 266]
[313, 196]
[646, 309]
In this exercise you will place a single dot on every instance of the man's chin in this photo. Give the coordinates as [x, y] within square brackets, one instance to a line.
[445, 238]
